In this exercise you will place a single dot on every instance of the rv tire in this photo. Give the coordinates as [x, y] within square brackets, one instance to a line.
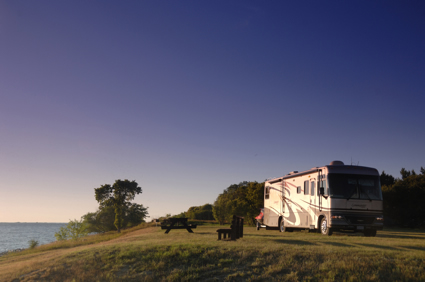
[282, 227]
[324, 227]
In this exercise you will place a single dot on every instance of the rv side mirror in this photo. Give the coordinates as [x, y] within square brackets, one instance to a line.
[322, 191]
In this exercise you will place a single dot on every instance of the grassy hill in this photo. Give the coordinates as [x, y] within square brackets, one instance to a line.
[145, 253]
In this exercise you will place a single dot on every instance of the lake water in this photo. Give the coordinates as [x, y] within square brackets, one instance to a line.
[16, 235]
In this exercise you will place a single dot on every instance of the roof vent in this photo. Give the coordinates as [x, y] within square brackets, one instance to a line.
[293, 172]
[336, 163]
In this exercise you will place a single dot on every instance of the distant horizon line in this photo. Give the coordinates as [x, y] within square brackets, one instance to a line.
[29, 222]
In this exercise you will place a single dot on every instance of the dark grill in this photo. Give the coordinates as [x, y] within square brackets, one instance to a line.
[353, 219]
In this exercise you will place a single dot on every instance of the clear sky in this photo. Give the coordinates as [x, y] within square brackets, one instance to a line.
[189, 97]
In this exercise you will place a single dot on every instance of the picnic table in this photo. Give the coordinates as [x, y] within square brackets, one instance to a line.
[177, 223]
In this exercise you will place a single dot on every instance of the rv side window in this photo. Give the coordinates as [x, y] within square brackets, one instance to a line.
[299, 190]
[306, 184]
[267, 192]
[312, 188]
[323, 184]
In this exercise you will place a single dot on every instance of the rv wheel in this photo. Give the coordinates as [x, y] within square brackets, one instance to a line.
[282, 227]
[324, 227]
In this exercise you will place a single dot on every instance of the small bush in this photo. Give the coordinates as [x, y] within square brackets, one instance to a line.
[33, 243]
[74, 230]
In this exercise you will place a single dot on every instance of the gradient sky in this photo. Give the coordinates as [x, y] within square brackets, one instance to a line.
[189, 97]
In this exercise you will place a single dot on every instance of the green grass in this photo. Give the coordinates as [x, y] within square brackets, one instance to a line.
[265, 255]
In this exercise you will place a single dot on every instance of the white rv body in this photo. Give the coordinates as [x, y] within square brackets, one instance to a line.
[351, 200]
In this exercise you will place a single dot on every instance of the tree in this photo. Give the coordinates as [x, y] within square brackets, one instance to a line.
[243, 199]
[255, 199]
[180, 215]
[405, 173]
[386, 179]
[134, 215]
[101, 221]
[222, 208]
[403, 201]
[202, 212]
[422, 170]
[119, 196]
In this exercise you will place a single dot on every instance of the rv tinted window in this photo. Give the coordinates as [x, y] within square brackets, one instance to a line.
[267, 192]
[353, 186]
[306, 184]
[312, 188]
[323, 184]
[299, 190]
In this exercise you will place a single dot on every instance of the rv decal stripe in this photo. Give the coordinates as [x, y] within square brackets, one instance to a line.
[272, 188]
[287, 183]
[340, 209]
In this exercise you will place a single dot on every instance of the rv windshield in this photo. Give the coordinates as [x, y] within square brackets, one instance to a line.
[353, 186]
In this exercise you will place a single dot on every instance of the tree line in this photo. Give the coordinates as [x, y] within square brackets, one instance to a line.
[197, 212]
[404, 198]
[244, 199]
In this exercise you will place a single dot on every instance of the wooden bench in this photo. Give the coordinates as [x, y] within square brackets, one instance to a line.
[235, 231]
[225, 232]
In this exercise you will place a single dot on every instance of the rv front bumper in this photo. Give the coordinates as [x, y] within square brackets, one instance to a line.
[356, 221]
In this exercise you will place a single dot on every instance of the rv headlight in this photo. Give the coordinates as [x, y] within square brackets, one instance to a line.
[336, 217]
[380, 218]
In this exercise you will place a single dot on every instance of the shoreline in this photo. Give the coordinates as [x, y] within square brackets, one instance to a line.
[11, 251]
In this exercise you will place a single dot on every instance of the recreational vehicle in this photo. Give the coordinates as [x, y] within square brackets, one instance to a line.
[334, 197]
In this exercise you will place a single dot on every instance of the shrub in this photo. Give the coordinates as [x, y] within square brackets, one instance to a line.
[74, 230]
[33, 243]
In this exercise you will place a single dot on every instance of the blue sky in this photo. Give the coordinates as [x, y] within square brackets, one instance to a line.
[189, 97]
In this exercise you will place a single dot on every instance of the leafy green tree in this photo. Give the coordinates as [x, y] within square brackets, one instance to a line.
[422, 170]
[222, 207]
[243, 199]
[134, 214]
[119, 196]
[180, 215]
[102, 220]
[74, 230]
[205, 212]
[255, 199]
[202, 212]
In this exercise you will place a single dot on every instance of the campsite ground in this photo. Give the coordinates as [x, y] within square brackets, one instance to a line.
[145, 253]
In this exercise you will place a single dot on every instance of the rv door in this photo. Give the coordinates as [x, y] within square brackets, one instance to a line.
[313, 201]
[282, 196]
